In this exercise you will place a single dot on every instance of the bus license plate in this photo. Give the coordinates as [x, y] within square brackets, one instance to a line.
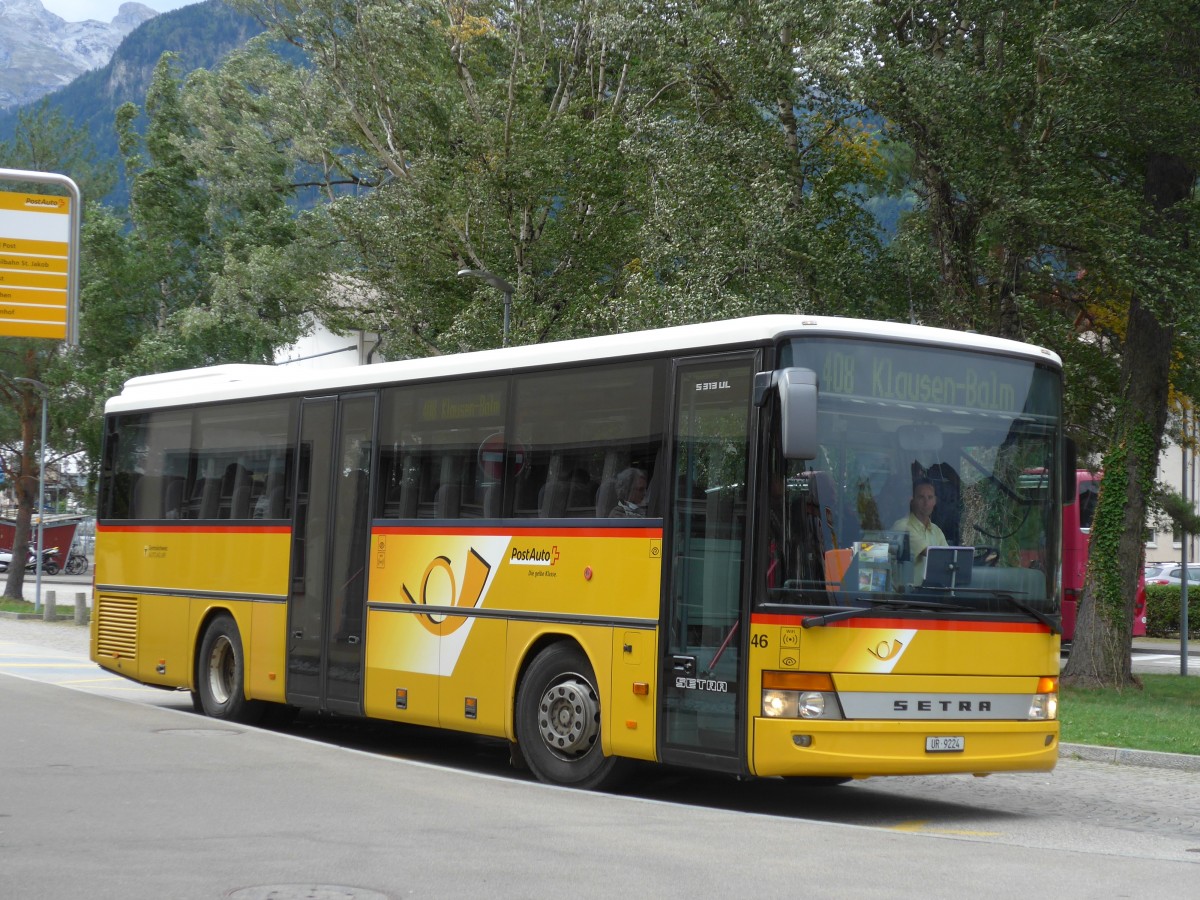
[945, 744]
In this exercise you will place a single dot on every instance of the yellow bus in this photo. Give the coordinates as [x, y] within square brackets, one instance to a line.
[690, 545]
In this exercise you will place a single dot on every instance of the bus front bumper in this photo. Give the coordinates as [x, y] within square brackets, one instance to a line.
[861, 749]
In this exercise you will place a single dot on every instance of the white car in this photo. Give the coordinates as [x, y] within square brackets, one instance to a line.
[1170, 573]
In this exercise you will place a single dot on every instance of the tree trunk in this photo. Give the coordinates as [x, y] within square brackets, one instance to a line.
[1104, 628]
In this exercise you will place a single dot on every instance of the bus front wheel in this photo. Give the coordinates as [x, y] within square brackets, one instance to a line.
[558, 721]
[221, 674]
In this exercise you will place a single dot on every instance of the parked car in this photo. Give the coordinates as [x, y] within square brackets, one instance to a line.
[1171, 573]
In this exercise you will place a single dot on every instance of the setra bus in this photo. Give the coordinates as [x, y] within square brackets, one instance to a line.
[683, 545]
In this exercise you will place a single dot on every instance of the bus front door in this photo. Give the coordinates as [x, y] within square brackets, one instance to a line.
[702, 666]
[330, 532]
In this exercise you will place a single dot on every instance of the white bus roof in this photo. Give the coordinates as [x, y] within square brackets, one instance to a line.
[227, 382]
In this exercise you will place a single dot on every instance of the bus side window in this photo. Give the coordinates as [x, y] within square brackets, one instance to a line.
[586, 426]
[446, 439]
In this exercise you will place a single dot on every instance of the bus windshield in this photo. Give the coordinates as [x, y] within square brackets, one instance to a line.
[930, 486]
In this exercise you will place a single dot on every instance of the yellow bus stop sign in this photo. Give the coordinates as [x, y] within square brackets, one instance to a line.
[38, 246]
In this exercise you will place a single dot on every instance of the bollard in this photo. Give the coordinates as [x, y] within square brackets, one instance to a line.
[49, 613]
[81, 608]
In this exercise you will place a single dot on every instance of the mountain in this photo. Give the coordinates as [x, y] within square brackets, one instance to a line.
[40, 51]
[200, 35]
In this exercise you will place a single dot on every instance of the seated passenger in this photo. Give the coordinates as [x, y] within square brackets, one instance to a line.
[631, 495]
[923, 533]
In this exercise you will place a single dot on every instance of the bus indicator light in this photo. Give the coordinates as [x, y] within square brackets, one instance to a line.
[401, 698]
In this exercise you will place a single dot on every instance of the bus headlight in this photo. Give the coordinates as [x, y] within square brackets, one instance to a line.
[1044, 707]
[799, 695]
[780, 704]
[1044, 704]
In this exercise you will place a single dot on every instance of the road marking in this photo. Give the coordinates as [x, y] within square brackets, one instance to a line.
[45, 665]
[921, 826]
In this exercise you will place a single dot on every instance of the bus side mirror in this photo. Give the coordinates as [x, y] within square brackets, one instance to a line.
[798, 413]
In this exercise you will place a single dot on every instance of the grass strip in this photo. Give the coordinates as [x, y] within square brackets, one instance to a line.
[1164, 715]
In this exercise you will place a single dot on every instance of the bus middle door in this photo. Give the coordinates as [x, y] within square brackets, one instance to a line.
[330, 534]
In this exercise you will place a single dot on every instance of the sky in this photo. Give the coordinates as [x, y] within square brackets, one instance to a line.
[104, 10]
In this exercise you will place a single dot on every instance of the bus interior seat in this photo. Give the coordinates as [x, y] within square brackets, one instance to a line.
[493, 496]
[410, 487]
[606, 498]
[553, 502]
[654, 500]
[147, 497]
[239, 503]
[210, 498]
[447, 501]
[174, 499]
[947, 513]
[581, 496]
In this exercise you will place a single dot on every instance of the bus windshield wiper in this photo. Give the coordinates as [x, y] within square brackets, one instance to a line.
[879, 608]
[1054, 626]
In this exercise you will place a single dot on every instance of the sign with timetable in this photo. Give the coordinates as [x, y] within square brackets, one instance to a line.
[35, 232]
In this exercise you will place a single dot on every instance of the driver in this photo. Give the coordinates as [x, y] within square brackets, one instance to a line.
[923, 532]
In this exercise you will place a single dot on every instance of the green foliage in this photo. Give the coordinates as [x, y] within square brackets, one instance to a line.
[620, 164]
[1163, 715]
[1163, 606]
[1180, 512]
[45, 141]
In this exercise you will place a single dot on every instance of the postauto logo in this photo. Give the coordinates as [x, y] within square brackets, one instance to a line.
[533, 556]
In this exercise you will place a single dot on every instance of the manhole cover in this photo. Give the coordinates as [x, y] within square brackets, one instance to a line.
[305, 892]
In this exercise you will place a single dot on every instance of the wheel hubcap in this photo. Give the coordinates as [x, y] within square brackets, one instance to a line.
[569, 717]
[220, 670]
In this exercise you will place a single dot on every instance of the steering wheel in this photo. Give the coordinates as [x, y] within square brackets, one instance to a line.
[986, 556]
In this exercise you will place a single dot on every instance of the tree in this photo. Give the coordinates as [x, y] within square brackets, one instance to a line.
[620, 163]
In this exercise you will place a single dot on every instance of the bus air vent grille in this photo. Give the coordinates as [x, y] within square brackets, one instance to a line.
[116, 627]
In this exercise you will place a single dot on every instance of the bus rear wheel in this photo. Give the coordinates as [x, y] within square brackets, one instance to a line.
[221, 674]
[558, 721]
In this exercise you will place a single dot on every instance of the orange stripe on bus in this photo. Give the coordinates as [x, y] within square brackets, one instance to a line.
[194, 529]
[918, 624]
[518, 531]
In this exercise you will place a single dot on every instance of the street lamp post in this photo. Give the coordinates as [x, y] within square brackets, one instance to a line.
[44, 392]
[499, 284]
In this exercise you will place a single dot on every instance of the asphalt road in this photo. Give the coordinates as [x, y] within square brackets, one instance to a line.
[116, 790]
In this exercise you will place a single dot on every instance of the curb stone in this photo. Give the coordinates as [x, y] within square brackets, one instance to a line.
[1182, 762]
